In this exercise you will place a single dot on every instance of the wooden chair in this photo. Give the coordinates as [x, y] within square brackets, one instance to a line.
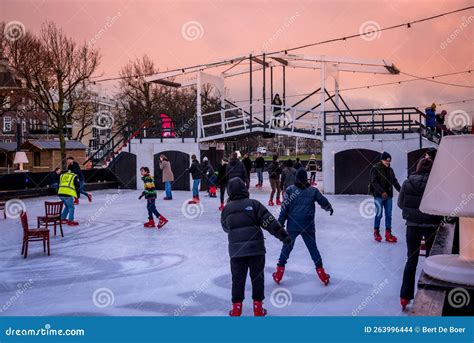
[2, 208]
[32, 235]
[53, 216]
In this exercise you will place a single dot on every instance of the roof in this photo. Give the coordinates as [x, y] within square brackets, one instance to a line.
[54, 144]
[10, 146]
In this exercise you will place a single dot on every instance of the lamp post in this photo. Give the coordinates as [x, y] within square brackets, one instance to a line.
[450, 192]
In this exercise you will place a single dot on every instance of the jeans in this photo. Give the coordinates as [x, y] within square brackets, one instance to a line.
[309, 239]
[168, 189]
[196, 187]
[276, 187]
[81, 188]
[151, 207]
[380, 206]
[239, 267]
[414, 236]
[68, 207]
[260, 175]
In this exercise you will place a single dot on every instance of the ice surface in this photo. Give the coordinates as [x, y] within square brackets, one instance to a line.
[111, 265]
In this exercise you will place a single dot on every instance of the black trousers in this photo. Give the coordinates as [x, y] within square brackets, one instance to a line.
[222, 191]
[414, 237]
[239, 267]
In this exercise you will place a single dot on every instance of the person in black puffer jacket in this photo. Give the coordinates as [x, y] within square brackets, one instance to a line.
[298, 211]
[418, 224]
[236, 168]
[243, 219]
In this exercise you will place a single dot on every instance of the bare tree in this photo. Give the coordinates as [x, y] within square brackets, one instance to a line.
[55, 69]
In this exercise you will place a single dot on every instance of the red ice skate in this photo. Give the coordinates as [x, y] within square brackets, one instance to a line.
[72, 223]
[149, 223]
[278, 202]
[221, 208]
[323, 276]
[193, 201]
[270, 202]
[89, 197]
[377, 236]
[236, 310]
[389, 237]
[161, 222]
[258, 310]
[278, 274]
[76, 201]
[404, 302]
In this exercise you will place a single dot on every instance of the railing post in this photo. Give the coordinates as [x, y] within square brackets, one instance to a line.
[323, 130]
[403, 123]
[373, 125]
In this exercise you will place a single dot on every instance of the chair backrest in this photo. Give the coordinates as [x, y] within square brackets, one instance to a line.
[24, 221]
[53, 208]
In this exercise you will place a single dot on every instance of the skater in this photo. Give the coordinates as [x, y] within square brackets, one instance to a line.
[298, 211]
[288, 176]
[213, 185]
[274, 172]
[418, 224]
[68, 191]
[236, 168]
[382, 181]
[195, 170]
[222, 181]
[76, 169]
[312, 167]
[150, 195]
[207, 172]
[243, 220]
[248, 165]
[54, 178]
[298, 164]
[167, 176]
[259, 167]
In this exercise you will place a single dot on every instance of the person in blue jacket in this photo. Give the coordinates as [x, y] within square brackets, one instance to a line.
[298, 210]
[431, 119]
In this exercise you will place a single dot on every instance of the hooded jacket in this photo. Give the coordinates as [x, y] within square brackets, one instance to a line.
[235, 168]
[410, 198]
[382, 180]
[243, 220]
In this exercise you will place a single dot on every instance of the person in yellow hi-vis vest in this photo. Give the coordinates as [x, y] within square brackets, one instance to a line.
[68, 191]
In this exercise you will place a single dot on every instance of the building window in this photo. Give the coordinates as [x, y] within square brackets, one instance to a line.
[7, 124]
[37, 158]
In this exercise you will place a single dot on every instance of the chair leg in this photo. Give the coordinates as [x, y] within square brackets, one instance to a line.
[49, 253]
[54, 228]
[23, 247]
[61, 228]
[26, 248]
[44, 244]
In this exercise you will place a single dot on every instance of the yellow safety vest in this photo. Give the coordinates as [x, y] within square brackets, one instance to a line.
[66, 185]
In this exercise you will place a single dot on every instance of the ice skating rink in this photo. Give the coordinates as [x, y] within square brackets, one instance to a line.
[111, 266]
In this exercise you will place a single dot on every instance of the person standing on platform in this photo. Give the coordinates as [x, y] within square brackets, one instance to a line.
[430, 113]
[277, 112]
[259, 168]
[382, 181]
[167, 176]
[440, 118]
[195, 170]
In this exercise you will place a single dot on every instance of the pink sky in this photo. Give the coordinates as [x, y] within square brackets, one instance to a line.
[231, 28]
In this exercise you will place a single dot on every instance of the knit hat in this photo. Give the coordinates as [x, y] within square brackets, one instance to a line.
[302, 176]
[385, 156]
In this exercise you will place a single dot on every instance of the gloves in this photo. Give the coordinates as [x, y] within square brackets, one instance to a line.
[384, 195]
[331, 212]
[287, 240]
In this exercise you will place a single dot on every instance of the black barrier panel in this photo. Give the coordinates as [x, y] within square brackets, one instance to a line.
[352, 169]
[180, 162]
[124, 169]
[413, 158]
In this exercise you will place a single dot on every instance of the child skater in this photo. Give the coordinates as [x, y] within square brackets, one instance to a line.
[243, 220]
[150, 195]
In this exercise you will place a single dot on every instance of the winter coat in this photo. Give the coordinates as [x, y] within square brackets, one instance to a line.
[149, 184]
[298, 207]
[76, 169]
[409, 202]
[243, 220]
[165, 166]
[247, 164]
[222, 175]
[195, 170]
[288, 177]
[260, 162]
[298, 165]
[312, 165]
[207, 169]
[430, 117]
[235, 168]
[382, 180]
[274, 170]
[54, 178]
